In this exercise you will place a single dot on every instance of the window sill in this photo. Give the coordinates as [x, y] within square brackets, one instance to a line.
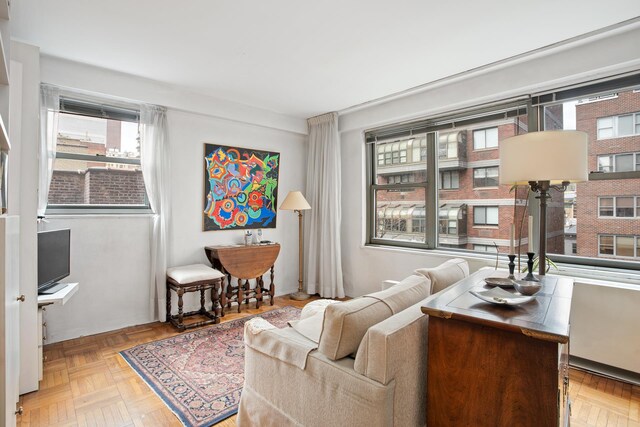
[582, 273]
[487, 227]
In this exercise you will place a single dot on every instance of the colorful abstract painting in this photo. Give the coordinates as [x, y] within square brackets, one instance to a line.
[241, 188]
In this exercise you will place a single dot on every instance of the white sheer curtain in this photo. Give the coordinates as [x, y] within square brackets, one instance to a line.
[154, 156]
[49, 111]
[324, 271]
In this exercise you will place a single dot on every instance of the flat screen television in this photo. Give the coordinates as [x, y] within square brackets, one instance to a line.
[54, 263]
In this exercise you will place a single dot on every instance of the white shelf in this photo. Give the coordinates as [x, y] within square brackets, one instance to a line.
[62, 296]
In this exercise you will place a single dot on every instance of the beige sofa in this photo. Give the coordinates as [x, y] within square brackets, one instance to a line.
[356, 363]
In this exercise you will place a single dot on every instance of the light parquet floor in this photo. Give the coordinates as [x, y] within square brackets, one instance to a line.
[87, 383]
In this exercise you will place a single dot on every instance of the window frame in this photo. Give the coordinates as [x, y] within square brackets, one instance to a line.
[486, 208]
[635, 245]
[485, 169]
[84, 106]
[615, 126]
[484, 132]
[614, 207]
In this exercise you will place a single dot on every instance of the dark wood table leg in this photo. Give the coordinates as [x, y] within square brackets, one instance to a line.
[258, 291]
[180, 313]
[223, 297]
[203, 309]
[229, 291]
[168, 314]
[272, 287]
[240, 289]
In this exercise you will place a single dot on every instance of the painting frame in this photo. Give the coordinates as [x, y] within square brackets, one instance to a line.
[240, 188]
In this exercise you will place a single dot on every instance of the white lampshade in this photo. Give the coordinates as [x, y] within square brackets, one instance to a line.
[556, 156]
[294, 201]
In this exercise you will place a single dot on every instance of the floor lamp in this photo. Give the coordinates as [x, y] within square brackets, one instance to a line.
[295, 201]
[544, 160]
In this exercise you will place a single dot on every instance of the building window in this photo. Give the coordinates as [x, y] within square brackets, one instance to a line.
[485, 177]
[574, 248]
[485, 215]
[484, 248]
[619, 126]
[452, 220]
[97, 162]
[449, 180]
[619, 207]
[485, 138]
[448, 145]
[626, 162]
[418, 221]
[419, 149]
[619, 246]
[392, 153]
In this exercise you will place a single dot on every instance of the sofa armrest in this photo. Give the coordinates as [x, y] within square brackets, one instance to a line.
[283, 344]
[386, 284]
[395, 347]
[394, 352]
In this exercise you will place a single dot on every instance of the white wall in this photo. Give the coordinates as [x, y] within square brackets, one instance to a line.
[110, 254]
[110, 260]
[188, 133]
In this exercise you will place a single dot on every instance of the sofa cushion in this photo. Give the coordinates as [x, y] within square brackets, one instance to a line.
[346, 323]
[310, 323]
[446, 274]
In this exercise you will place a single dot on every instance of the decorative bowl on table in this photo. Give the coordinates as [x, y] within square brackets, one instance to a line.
[527, 287]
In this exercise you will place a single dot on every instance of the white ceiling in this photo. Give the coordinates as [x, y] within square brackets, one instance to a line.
[299, 57]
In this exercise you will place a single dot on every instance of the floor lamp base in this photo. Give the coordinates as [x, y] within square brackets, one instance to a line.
[299, 296]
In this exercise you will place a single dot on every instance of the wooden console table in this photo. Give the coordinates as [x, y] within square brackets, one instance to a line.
[245, 262]
[496, 365]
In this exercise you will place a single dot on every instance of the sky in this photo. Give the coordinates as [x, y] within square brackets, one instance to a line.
[95, 130]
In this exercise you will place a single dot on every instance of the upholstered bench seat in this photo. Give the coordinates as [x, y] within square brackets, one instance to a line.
[191, 278]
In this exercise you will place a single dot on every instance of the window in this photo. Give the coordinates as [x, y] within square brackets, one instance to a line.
[626, 162]
[399, 198]
[449, 180]
[606, 190]
[443, 150]
[392, 153]
[619, 246]
[419, 149]
[619, 126]
[619, 207]
[448, 145]
[604, 110]
[97, 163]
[485, 177]
[606, 206]
[485, 215]
[485, 138]
[484, 248]
[452, 220]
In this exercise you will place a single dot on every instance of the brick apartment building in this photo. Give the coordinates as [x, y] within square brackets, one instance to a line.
[475, 212]
[608, 210]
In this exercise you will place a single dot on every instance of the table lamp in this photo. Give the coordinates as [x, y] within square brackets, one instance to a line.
[544, 160]
[295, 201]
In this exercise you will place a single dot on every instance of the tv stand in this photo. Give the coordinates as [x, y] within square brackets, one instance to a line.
[53, 289]
[61, 296]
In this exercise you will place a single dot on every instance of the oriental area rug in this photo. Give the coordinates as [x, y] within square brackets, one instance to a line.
[199, 375]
